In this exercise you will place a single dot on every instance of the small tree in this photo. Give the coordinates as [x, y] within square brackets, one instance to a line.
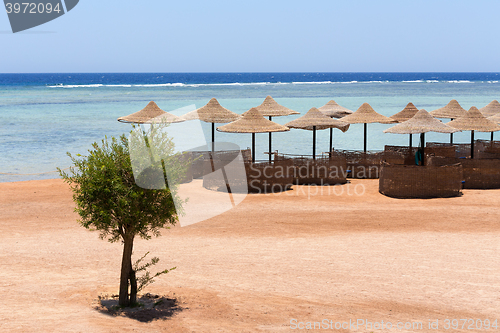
[108, 200]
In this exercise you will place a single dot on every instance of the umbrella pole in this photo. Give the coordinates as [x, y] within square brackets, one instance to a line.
[213, 135]
[471, 144]
[364, 145]
[410, 143]
[422, 142]
[331, 139]
[253, 147]
[451, 135]
[491, 136]
[314, 142]
[270, 142]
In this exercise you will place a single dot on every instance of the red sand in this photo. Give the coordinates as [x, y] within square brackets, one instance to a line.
[301, 255]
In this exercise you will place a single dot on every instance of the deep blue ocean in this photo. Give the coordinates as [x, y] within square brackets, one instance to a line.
[43, 116]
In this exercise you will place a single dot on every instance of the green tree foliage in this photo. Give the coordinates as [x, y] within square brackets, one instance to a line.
[109, 201]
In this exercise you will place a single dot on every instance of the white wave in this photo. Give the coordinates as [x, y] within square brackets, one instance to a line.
[432, 81]
[345, 82]
[413, 81]
[460, 81]
[77, 86]
[314, 82]
[161, 85]
[492, 81]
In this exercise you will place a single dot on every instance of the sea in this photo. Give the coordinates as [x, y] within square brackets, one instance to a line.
[45, 116]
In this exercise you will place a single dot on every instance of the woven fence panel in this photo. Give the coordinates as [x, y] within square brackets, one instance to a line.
[322, 171]
[269, 177]
[412, 181]
[202, 160]
[478, 173]
[481, 173]
[363, 165]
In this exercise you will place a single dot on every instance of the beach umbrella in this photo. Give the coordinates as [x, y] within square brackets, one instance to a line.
[406, 114]
[151, 111]
[452, 110]
[474, 120]
[270, 108]
[490, 110]
[315, 120]
[253, 122]
[421, 123]
[212, 113]
[334, 110]
[366, 115]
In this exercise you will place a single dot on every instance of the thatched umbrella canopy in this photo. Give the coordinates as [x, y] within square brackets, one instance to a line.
[474, 120]
[315, 120]
[495, 118]
[213, 113]
[493, 108]
[490, 110]
[253, 122]
[366, 115]
[421, 123]
[150, 112]
[270, 108]
[406, 114]
[452, 110]
[334, 110]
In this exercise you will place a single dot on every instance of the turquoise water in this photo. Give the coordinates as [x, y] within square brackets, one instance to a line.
[41, 121]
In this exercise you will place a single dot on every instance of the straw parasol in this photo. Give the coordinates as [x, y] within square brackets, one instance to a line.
[490, 110]
[315, 120]
[474, 120]
[332, 109]
[253, 122]
[421, 123]
[151, 112]
[366, 115]
[452, 110]
[213, 113]
[406, 114]
[270, 108]
[493, 108]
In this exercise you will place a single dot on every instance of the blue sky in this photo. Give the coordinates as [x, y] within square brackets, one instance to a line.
[260, 36]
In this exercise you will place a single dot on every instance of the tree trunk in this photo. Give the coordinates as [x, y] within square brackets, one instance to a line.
[133, 288]
[128, 244]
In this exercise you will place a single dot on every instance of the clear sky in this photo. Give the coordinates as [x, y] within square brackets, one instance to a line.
[260, 36]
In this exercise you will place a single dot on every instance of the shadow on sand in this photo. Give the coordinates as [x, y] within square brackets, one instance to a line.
[150, 307]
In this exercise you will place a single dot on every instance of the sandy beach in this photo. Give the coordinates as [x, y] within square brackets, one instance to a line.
[273, 263]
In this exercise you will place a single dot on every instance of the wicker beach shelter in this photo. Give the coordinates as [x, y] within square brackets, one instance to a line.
[406, 114]
[421, 123]
[270, 108]
[253, 122]
[334, 110]
[366, 115]
[490, 110]
[213, 113]
[452, 110]
[315, 120]
[474, 120]
[151, 113]
[493, 108]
